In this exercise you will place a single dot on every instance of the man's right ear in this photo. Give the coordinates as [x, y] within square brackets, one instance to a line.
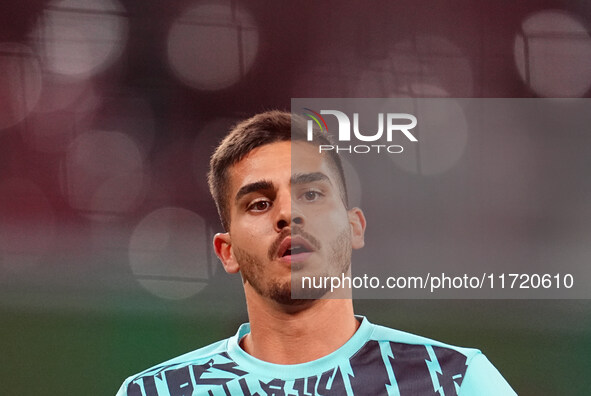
[222, 243]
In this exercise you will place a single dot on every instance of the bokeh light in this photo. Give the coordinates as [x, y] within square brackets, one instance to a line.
[27, 224]
[20, 83]
[79, 38]
[553, 54]
[104, 176]
[170, 254]
[442, 134]
[212, 45]
[63, 112]
[423, 90]
[58, 93]
[414, 66]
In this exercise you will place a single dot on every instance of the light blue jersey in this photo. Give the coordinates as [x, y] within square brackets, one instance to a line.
[375, 361]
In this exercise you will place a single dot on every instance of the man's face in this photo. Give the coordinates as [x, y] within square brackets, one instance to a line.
[287, 218]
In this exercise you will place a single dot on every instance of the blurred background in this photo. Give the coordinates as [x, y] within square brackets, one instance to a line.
[109, 110]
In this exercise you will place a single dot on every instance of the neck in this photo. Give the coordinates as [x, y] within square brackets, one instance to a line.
[289, 335]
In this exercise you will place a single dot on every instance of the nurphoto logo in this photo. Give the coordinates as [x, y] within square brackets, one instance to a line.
[394, 123]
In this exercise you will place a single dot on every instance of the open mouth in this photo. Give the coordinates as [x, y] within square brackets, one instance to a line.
[293, 247]
[296, 249]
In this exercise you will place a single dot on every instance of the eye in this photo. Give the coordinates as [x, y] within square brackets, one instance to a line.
[259, 206]
[311, 195]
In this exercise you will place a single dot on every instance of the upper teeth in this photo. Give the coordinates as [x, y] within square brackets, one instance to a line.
[293, 249]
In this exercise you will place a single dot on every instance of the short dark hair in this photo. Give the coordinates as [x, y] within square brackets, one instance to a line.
[259, 130]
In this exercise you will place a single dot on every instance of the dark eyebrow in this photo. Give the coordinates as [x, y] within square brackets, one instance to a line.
[262, 185]
[302, 178]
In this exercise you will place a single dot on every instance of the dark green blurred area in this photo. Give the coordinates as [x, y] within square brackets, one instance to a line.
[541, 347]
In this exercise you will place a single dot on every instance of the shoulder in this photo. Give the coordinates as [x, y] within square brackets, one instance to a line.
[482, 378]
[199, 356]
[382, 333]
[465, 370]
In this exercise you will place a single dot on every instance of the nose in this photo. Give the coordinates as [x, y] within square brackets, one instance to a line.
[287, 213]
[286, 222]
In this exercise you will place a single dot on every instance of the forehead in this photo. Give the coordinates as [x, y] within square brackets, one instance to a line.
[278, 162]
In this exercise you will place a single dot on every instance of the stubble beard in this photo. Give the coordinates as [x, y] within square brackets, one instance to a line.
[253, 271]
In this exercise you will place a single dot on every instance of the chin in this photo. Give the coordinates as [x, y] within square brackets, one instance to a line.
[282, 293]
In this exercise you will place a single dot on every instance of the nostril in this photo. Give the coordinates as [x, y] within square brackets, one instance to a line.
[298, 220]
[282, 224]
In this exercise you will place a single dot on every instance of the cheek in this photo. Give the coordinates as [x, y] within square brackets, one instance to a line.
[330, 223]
[250, 235]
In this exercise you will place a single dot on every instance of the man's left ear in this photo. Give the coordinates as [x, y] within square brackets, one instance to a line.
[357, 222]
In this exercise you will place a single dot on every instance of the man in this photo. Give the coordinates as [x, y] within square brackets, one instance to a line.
[284, 208]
